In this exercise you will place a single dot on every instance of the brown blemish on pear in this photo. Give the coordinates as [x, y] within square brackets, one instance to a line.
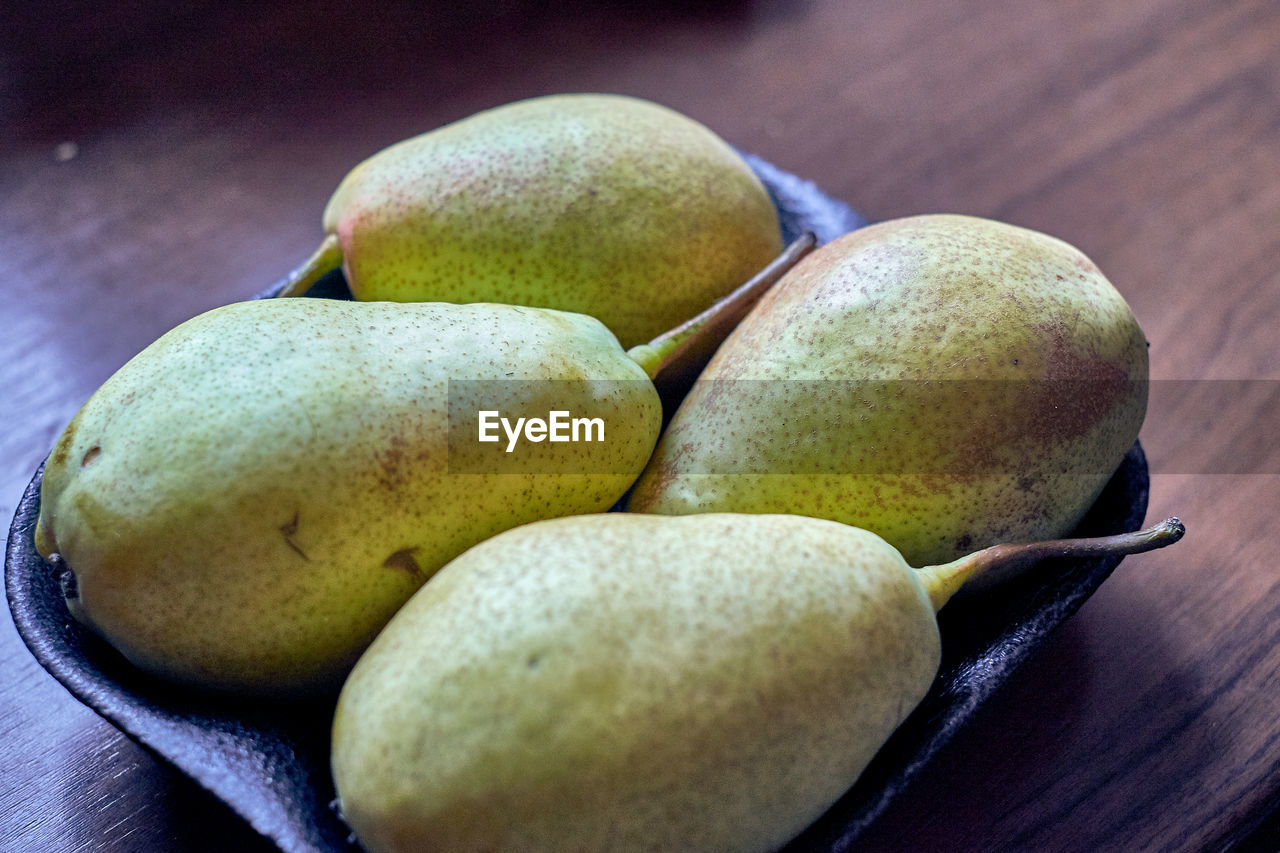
[404, 561]
[288, 531]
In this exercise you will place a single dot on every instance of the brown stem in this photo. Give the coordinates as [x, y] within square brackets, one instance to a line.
[945, 580]
[300, 279]
[687, 348]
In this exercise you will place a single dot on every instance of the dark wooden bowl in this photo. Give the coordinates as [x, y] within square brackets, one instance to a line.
[270, 765]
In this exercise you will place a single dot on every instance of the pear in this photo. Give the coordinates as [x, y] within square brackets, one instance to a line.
[605, 205]
[945, 381]
[629, 682]
[242, 506]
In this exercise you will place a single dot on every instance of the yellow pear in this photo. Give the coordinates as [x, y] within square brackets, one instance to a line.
[244, 504]
[946, 381]
[606, 205]
[627, 682]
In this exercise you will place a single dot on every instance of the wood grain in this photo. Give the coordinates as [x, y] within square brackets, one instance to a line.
[158, 160]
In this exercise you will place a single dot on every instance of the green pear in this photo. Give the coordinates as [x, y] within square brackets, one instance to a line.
[604, 205]
[946, 381]
[629, 682]
[244, 504]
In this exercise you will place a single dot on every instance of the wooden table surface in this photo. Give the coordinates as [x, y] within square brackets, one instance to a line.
[155, 163]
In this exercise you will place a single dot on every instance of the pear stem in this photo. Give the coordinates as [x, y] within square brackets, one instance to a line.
[943, 581]
[300, 279]
[691, 344]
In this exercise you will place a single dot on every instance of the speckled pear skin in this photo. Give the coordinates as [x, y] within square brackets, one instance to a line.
[625, 682]
[606, 205]
[246, 502]
[974, 382]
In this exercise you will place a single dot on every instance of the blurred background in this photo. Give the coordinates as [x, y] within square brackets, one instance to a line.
[157, 160]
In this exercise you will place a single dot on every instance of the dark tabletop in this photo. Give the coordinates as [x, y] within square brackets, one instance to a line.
[157, 160]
